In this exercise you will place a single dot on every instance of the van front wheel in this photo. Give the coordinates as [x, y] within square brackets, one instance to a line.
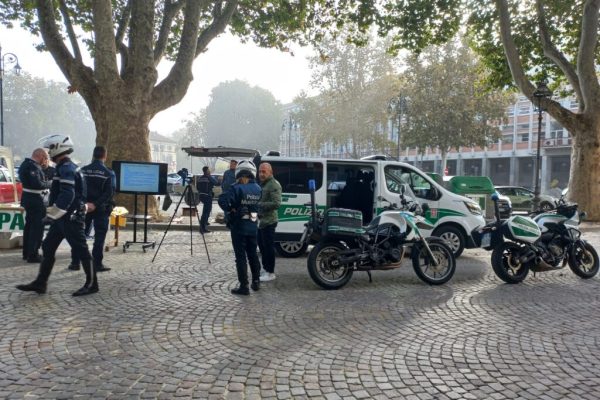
[291, 249]
[453, 237]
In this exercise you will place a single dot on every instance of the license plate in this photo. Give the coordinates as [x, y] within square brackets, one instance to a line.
[486, 239]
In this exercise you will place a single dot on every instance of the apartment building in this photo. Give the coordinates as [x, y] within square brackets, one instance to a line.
[163, 150]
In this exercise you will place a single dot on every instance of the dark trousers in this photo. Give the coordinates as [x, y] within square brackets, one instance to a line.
[100, 220]
[244, 247]
[266, 244]
[65, 228]
[206, 209]
[33, 232]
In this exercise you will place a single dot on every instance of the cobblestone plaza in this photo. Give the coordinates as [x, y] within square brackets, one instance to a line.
[171, 329]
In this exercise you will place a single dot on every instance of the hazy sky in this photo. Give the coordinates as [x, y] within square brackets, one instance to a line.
[226, 59]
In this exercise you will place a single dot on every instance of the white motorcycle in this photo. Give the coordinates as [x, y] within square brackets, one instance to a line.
[548, 240]
[345, 246]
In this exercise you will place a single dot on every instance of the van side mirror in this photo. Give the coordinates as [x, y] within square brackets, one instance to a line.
[425, 208]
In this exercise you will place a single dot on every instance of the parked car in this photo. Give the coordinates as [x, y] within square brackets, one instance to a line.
[522, 199]
[7, 194]
[174, 183]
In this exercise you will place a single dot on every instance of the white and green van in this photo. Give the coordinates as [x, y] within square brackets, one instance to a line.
[365, 185]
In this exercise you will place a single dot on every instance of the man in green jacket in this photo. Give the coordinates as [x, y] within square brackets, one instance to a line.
[267, 213]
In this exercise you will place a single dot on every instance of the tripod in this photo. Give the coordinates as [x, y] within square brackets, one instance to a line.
[193, 206]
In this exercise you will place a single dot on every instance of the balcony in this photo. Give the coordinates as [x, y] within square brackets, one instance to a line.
[557, 142]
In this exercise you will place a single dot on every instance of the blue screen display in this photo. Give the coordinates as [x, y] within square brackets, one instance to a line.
[143, 178]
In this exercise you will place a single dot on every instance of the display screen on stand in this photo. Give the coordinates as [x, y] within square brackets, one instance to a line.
[140, 177]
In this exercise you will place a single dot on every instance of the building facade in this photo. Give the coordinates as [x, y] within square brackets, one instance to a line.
[163, 150]
[509, 161]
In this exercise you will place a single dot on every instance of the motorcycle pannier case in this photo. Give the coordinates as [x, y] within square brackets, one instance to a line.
[343, 222]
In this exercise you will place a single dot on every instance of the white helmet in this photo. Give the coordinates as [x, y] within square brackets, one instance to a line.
[57, 145]
[245, 168]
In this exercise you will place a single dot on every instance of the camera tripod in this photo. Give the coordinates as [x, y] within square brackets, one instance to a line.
[193, 202]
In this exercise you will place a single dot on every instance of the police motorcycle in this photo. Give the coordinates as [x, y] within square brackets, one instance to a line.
[546, 240]
[344, 245]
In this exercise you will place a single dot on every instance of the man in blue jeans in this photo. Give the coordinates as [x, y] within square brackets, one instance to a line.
[100, 184]
[267, 212]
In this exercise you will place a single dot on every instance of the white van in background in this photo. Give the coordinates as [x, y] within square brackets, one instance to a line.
[365, 185]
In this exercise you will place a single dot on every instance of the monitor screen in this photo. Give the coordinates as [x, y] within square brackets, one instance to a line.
[140, 177]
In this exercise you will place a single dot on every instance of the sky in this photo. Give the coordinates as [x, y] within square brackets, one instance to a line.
[227, 59]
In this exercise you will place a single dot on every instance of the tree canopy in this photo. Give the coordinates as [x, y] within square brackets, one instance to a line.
[31, 106]
[447, 105]
[355, 85]
[240, 115]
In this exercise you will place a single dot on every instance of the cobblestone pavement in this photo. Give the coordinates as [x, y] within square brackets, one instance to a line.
[171, 329]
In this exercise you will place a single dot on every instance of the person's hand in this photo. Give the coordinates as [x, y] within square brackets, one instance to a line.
[91, 207]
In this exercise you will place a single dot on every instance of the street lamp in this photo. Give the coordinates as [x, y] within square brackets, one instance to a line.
[397, 107]
[8, 58]
[289, 123]
[541, 93]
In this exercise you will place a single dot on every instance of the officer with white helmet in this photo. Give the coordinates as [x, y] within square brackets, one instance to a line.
[240, 204]
[66, 216]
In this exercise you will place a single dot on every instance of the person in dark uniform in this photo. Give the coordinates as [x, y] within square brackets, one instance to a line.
[66, 216]
[240, 204]
[205, 185]
[35, 185]
[100, 190]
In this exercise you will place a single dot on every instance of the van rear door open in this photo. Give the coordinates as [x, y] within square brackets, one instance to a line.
[293, 177]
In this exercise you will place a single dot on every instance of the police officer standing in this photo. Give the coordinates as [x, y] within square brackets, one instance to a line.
[66, 215]
[240, 204]
[205, 185]
[100, 190]
[35, 185]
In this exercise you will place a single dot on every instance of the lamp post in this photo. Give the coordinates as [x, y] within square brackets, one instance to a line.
[541, 93]
[397, 107]
[7, 58]
[289, 123]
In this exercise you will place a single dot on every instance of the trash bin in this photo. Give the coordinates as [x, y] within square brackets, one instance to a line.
[478, 188]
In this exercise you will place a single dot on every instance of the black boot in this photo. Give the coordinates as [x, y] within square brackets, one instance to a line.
[99, 267]
[73, 267]
[241, 290]
[255, 285]
[91, 282]
[34, 286]
[35, 259]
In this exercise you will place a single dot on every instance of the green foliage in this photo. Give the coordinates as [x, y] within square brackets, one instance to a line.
[355, 85]
[34, 107]
[564, 25]
[448, 107]
[240, 115]
[192, 134]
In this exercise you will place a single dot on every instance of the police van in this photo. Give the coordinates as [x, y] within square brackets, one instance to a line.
[366, 185]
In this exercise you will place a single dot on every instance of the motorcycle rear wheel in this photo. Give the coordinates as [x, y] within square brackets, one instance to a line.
[583, 260]
[424, 267]
[322, 268]
[504, 265]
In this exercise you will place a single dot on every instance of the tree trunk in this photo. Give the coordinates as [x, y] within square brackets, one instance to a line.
[443, 162]
[122, 126]
[584, 182]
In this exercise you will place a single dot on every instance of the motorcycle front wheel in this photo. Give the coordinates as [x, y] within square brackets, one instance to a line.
[583, 260]
[505, 265]
[324, 268]
[424, 266]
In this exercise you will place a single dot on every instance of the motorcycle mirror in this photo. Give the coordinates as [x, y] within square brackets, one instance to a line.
[565, 191]
[312, 185]
[495, 196]
[402, 189]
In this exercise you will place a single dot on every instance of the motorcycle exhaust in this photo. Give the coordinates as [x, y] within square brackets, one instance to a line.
[541, 265]
[530, 255]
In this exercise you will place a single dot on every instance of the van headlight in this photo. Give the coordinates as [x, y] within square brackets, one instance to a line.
[473, 208]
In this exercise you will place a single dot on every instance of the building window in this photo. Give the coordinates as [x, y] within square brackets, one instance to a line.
[524, 109]
[524, 137]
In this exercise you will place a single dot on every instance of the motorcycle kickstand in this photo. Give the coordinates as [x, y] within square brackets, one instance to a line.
[370, 279]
